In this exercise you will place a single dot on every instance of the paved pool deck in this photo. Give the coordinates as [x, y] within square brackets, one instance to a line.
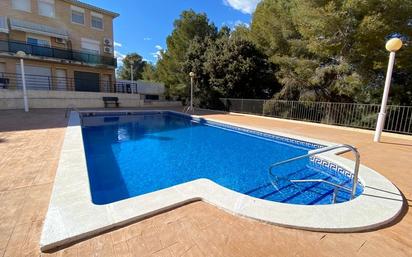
[30, 146]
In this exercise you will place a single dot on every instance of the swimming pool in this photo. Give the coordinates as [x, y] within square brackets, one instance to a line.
[139, 153]
[122, 167]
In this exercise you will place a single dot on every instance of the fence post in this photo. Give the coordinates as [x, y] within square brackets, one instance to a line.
[329, 113]
[241, 106]
[263, 107]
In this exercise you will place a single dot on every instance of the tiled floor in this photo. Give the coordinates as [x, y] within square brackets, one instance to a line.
[29, 151]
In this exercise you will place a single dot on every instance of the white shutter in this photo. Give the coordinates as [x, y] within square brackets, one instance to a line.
[90, 45]
[38, 78]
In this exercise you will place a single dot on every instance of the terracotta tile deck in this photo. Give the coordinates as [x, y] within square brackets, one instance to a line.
[30, 146]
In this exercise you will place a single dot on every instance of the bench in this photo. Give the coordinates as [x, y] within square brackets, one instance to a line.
[110, 100]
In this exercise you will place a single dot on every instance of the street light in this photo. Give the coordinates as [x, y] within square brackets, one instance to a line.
[131, 77]
[21, 55]
[131, 72]
[192, 75]
[392, 46]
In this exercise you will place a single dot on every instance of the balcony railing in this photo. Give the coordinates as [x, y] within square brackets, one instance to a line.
[13, 81]
[11, 46]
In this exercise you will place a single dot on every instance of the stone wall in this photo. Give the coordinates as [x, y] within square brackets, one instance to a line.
[13, 99]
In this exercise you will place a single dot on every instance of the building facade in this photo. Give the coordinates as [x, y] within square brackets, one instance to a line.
[68, 45]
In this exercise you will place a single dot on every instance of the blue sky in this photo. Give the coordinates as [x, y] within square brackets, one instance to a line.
[143, 25]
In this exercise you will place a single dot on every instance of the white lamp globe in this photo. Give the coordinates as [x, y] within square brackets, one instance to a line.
[393, 44]
[21, 54]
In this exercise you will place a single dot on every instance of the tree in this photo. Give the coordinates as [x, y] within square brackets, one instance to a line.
[239, 69]
[149, 72]
[332, 50]
[138, 66]
[241, 31]
[227, 66]
[195, 62]
[169, 67]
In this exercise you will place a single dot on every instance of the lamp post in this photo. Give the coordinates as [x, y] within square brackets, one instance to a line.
[21, 55]
[131, 72]
[392, 46]
[192, 75]
[131, 77]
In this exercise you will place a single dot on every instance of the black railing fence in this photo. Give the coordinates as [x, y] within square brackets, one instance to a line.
[52, 83]
[398, 118]
[12, 46]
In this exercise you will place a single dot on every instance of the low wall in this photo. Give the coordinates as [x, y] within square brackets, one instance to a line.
[13, 99]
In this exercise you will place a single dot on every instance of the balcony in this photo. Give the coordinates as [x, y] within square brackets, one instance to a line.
[11, 46]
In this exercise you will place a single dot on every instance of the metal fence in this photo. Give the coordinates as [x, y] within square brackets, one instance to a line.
[52, 83]
[398, 118]
[13, 46]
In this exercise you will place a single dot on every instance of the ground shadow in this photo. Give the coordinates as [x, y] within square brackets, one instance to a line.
[18, 120]
[395, 143]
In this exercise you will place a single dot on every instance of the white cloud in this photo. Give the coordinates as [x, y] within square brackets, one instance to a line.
[117, 44]
[241, 23]
[245, 6]
[234, 24]
[147, 38]
[119, 56]
[158, 54]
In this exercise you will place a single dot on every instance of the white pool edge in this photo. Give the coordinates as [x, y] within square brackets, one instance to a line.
[72, 216]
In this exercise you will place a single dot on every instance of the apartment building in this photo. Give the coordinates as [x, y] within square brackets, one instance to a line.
[68, 45]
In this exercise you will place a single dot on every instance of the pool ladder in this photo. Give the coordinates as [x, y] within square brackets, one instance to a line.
[188, 109]
[352, 190]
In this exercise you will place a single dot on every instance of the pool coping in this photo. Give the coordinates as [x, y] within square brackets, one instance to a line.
[72, 216]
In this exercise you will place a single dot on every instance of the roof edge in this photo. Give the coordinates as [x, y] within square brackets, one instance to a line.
[92, 7]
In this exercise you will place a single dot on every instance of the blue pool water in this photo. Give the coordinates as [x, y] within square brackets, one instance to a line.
[130, 155]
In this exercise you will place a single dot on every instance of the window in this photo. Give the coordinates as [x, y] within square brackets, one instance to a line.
[77, 15]
[2, 69]
[38, 41]
[22, 5]
[90, 46]
[97, 20]
[3, 24]
[46, 7]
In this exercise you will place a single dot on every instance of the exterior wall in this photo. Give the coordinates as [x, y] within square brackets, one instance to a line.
[61, 20]
[145, 87]
[10, 64]
[13, 99]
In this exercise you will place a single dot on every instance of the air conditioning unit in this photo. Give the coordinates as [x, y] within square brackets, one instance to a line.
[107, 42]
[108, 50]
[60, 40]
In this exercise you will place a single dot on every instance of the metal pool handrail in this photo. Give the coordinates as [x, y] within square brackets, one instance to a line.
[188, 109]
[324, 150]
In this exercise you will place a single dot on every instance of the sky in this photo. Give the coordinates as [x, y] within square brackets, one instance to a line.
[143, 25]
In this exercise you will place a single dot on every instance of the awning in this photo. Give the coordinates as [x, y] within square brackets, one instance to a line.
[36, 28]
[3, 24]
